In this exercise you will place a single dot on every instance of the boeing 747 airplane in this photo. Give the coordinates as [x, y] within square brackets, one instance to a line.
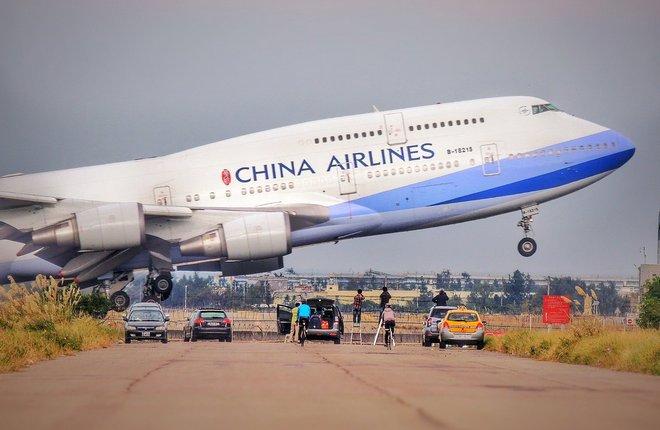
[239, 205]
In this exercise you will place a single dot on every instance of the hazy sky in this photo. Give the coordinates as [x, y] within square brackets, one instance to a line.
[89, 82]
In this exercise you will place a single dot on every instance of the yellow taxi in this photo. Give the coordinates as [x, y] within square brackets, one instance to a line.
[461, 326]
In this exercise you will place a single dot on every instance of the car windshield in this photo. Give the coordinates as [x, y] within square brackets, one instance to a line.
[462, 317]
[213, 315]
[146, 315]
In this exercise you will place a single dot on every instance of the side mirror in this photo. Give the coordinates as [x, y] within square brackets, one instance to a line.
[125, 318]
[167, 317]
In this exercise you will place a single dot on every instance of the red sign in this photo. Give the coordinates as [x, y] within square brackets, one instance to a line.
[226, 177]
[556, 310]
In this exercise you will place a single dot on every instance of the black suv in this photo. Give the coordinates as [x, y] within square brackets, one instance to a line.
[208, 323]
[326, 322]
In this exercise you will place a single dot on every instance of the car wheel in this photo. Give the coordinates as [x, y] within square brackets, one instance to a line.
[481, 345]
[127, 340]
[229, 339]
[164, 340]
[442, 345]
[337, 341]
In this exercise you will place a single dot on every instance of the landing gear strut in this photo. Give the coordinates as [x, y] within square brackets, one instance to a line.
[527, 246]
[114, 288]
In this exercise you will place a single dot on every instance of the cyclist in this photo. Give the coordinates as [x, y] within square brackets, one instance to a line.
[389, 321]
[304, 312]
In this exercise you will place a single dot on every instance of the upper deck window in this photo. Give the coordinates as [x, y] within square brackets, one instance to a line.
[544, 108]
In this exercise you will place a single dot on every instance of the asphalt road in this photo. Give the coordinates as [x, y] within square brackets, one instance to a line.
[238, 385]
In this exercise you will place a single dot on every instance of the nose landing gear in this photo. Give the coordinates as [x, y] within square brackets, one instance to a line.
[527, 246]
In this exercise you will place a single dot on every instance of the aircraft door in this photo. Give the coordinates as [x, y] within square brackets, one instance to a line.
[490, 159]
[396, 130]
[163, 196]
[346, 178]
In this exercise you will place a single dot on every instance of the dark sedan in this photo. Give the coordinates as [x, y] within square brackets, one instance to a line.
[208, 324]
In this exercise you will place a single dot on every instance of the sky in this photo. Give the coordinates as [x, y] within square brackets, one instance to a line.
[90, 82]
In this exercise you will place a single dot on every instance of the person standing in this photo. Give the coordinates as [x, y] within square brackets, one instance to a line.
[384, 298]
[441, 298]
[357, 306]
[294, 324]
[389, 321]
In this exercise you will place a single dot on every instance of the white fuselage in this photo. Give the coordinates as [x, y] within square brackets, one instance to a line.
[378, 172]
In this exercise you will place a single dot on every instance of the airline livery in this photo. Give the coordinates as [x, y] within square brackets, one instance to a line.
[239, 205]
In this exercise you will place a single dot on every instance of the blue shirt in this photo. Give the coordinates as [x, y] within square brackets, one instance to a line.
[304, 311]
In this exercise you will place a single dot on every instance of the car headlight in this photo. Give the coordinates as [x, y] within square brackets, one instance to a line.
[160, 327]
[130, 327]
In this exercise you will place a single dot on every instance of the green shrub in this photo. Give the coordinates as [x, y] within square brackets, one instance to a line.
[43, 320]
[649, 310]
[586, 342]
[96, 304]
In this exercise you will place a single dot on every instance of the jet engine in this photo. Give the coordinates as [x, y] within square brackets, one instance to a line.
[103, 228]
[250, 237]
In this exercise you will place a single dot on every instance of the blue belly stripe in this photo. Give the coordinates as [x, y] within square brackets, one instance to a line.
[552, 179]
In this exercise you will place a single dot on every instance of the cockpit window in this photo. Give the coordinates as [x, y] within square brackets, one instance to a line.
[544, 108]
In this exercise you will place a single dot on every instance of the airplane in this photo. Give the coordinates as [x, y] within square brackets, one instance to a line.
[238, 206]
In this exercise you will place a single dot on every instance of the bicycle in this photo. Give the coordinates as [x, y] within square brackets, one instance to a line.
[303, 332]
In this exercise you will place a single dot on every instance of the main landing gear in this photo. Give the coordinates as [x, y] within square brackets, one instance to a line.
[527, 246]
[115, 289]
[158, 287]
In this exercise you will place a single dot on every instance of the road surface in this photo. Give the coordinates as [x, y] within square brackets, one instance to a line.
[275, 386]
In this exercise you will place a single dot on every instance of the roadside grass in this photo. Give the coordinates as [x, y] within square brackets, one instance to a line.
[41, 321]
[586, 342]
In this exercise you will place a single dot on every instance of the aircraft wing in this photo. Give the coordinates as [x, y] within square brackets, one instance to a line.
[163, 227]
[10, 200]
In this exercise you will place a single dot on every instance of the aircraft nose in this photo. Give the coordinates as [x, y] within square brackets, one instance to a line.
[625, 147]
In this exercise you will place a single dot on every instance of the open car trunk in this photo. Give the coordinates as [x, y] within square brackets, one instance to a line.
[283, 319]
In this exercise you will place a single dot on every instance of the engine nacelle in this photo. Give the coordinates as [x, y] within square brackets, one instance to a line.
[103, 228]
[250, 237]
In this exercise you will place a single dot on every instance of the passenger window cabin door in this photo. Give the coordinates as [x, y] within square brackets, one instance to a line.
[283, 319]
[490, 159]
[396, 129]
[163, 196]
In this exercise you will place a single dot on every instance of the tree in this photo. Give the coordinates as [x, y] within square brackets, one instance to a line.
[649, 310]
[443, 280]
[609, 299]
[517, 292]
[479, 298]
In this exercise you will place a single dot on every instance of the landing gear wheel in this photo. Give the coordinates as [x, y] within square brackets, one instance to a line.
[527, 247]
[120, 301]
[162, 285]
